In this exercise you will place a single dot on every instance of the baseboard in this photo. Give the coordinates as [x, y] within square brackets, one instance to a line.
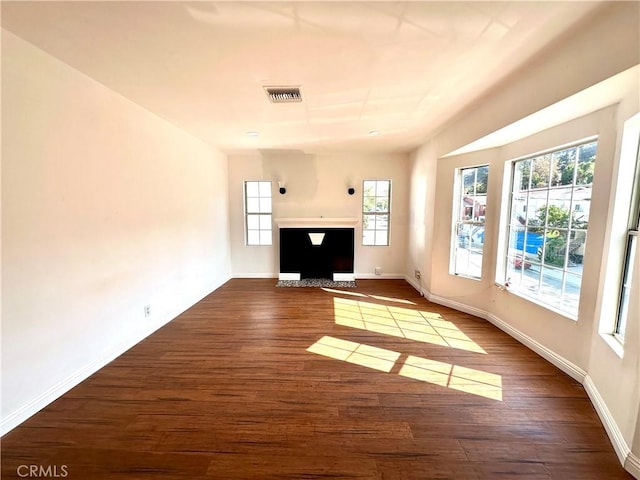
[562, 363]
[415, 283]
[382, 276]
[32, 407]
[630, 461]
[619, 445]
[254, 275]
[632, 465]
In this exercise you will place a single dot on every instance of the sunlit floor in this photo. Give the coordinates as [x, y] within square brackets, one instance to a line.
[374, 382]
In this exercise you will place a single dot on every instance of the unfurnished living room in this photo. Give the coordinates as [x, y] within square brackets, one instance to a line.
[304, 240]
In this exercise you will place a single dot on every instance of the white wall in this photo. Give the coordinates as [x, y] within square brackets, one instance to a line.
[317, 186]
[106, 208]
[604, 48]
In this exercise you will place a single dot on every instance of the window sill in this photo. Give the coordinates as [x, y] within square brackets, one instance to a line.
[468, 277]
[614, 343]
[535, 301]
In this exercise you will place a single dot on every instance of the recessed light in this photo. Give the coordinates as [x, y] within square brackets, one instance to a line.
[374, 133]
[253, 134]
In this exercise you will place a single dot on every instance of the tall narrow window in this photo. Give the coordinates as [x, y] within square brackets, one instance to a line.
[257, 207]
[547, 231]
[630, 254]
[376, 208]
[468, 224]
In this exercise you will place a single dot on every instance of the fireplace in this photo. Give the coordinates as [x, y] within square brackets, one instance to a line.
[316, 248]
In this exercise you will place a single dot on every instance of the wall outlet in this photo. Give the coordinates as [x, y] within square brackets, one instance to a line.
[378, 270]
[417, 274]
[147, 311]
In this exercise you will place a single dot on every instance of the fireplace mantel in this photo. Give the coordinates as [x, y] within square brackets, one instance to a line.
[316, 222]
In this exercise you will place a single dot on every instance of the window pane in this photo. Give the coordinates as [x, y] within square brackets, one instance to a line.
[521, 175]
[571, 298]
[369, 189]
[551, 288]
[555, 249]
[265, 237]
[382, 188]
[253, 237]
[586, 163]
[382, 237]
[253, 222]
[369, 204]
[382, 204]
[482, 180]
[369, 222]
[252, 189]
[468, 181]
[253, 205]
[540, 170]
[265, 189]
[265, 222]
[564, 165]
[265, 205]
[518, 209]
[382, 222]
[368, 237]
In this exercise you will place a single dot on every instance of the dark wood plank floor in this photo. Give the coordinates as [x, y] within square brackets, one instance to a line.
[258, 382]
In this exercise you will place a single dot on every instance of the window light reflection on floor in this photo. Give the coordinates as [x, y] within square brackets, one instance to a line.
[455, 377]
[358, 353]
[459, 378]
[402, 322]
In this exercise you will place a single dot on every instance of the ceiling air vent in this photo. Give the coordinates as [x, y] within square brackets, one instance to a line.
[283, 94]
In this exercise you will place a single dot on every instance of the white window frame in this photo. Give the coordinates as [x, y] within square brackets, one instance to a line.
[460, 222]
[258, 210]
[631, 246]
[525, 260]
[380, 231]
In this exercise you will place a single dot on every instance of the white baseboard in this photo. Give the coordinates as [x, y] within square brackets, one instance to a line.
[32, 407]
[630, 461]
[615, 435]
[632, 465]
[562, 363]
[254, 275]
[382, 276]
[415, 283]
[343, 277]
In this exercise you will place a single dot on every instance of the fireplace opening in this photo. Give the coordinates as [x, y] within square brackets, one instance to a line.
[323, 253]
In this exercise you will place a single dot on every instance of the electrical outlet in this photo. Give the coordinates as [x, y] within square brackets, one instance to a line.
[378, 270]
[417, 274]
[147, 311]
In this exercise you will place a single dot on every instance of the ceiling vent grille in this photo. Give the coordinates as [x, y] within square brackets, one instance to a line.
[283, 94]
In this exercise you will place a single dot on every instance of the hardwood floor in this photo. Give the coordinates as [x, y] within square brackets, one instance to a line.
[258, 382]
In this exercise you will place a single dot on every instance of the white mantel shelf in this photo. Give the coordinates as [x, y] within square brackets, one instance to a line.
[316, 222]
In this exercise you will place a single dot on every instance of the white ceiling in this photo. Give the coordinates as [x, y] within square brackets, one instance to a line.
[403, 69]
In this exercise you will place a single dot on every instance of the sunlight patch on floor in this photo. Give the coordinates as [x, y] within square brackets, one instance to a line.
[444, 374]
[358, 353]
[459, 378]
[401, 322]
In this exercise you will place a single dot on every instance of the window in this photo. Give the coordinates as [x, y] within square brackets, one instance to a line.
[257, 205]
[376, 195]
[547, 231]
[470, 204]
[630, 254]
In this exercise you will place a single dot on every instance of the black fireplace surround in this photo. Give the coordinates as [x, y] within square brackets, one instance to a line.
[298, 255]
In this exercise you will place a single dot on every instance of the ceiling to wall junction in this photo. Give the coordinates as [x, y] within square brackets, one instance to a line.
[399, 68]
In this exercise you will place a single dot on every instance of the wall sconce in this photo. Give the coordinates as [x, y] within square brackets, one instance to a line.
[351, 190]
[282, 190]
